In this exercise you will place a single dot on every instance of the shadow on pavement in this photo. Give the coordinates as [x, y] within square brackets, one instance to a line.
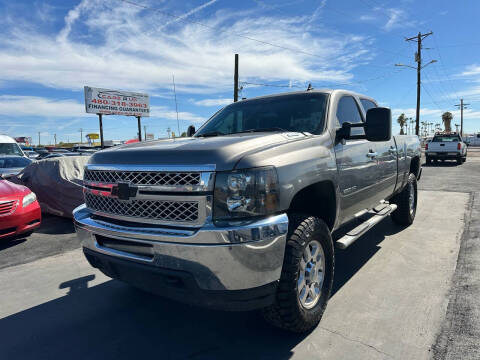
[116, 321]
[442, 164]
[349, 261]
[8, 243]
[55, 225]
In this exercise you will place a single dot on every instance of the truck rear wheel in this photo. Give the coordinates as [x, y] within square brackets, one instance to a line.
[307, 276]
[406, 202]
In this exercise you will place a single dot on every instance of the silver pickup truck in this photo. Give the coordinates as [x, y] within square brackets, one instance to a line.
[246, 213]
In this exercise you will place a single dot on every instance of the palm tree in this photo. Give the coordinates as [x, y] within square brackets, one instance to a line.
[402, 120]
[447, 119]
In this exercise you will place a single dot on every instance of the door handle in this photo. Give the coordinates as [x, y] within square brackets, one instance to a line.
[372, 154]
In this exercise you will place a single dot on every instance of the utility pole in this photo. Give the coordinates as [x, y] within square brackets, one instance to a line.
[55, 137]
[418, 59]
[235, 80]
[81, 135]
[145, 132]
[462, 106]
[39, 138]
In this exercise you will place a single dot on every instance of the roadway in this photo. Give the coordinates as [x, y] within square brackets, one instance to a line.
[399, 293]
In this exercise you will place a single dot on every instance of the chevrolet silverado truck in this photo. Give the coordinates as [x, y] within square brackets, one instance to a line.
[446, 147]
[246, 212]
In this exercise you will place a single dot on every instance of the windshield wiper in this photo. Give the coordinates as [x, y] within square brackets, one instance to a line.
[210, 134]
[261, 130]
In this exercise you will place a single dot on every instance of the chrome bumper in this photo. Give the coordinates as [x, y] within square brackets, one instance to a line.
[219, 258]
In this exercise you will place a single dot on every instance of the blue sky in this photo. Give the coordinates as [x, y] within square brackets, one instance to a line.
[51, 49]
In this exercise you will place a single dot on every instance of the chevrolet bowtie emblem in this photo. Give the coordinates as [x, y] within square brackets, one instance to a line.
[124, 191]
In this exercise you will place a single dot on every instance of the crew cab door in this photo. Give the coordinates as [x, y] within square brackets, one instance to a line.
[356, 162]
[387, 161]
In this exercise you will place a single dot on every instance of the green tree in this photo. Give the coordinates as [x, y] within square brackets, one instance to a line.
[184, 134]
[447, 118]
[402, 120]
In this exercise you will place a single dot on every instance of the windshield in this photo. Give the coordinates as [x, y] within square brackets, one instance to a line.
[447, 138]
[297, 112]
[10, 149]
[14, 162]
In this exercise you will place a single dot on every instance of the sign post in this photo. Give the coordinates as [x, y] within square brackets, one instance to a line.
[114, 102]
[139, 129]
[101, 130]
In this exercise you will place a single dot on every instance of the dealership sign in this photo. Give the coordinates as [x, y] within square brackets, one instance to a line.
[114, 102]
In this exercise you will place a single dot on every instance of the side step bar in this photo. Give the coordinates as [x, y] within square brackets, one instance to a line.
[379, 214]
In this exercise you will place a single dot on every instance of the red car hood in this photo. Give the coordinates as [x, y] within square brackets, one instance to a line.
[9, 190]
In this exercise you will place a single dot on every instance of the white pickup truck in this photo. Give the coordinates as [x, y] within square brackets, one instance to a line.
[446, 147]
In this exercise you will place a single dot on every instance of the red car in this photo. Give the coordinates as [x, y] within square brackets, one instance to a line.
[19, 210]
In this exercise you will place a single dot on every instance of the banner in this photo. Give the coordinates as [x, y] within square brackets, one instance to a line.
[115, 102]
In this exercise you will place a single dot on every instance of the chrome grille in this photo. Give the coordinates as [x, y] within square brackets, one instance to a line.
[163, 210]
[143, 177]
[7, 207]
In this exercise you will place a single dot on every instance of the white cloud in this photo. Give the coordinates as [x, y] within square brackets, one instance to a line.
[395, 19]
[213, 102]
[170, 114]
[201, 57]
[14, 105]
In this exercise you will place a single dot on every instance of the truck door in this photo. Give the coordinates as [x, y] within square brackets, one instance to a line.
[356, 162]
[387, 161]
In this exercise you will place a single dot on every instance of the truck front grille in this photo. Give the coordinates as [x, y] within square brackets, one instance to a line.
[162, 210]
[143, 177]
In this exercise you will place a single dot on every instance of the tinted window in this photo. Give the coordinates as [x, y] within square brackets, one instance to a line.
[446, 138]
[10, 149]
[367, 104]
[299, 112]
[347, 111]
[14, 162]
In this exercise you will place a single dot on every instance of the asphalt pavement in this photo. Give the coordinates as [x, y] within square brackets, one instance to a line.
[399, 293]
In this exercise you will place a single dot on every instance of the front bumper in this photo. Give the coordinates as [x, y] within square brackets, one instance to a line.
[244, 260]
[21, 221]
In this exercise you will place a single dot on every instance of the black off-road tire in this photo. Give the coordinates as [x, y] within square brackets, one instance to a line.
[459, 161]
[403, 215]
[287, 312]
[464, 158]
[428, 160]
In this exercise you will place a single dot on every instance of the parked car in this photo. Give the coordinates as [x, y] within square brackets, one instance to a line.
[240, 215]
[20, 213]
[11, 165]
[8, 146]
[55, 155]
[446, 147]
[31, 154]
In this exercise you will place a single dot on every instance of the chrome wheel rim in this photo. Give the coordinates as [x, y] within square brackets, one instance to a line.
[311, 275]
[411, 198]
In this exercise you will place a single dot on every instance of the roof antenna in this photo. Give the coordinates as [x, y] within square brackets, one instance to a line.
[310, 87]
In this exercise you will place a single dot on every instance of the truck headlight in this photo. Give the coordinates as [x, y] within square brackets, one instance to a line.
[245, 193]
[28, 199]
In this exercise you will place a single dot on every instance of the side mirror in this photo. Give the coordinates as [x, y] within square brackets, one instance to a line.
[190, 131]
[378, 126]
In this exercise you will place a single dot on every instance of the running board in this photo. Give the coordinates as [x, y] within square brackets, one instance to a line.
[378, 213]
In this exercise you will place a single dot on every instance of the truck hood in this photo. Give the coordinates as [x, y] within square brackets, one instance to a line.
[223, 151]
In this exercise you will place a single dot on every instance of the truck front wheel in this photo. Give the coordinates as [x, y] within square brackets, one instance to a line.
[406, 202]
[307, 276]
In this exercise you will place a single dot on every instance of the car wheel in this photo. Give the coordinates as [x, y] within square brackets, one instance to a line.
[459, 161]
[307, 276]
[464, 159]
[406, 202]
